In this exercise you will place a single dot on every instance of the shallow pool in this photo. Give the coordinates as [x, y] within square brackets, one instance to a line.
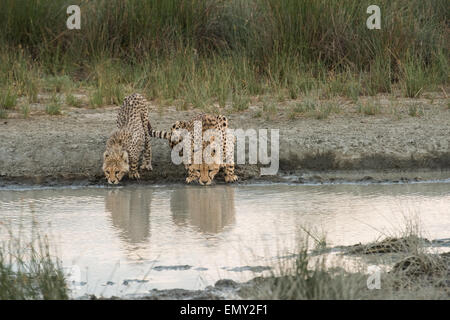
[135, 238]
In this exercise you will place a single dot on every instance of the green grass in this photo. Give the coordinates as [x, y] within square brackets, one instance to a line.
[3, 113]
[54, 107]
[416, 272]
[205, 52]
[308, 280]
[240, 101]
[8, 99]
[415, 110]
[58, 83]
[25, 108]
[305, 106]
[415, 78]
[71, 100]
[313, 109]
[369, 108]
[96, 99]
[379, 78]
[322, 112]
[269, 107]
[29, 271]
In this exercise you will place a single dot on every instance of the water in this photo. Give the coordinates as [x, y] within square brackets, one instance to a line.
[177, 236]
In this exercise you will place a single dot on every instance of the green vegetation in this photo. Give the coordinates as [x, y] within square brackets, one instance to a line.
[28, 271]
[54, 107]
[26, 110]
[313, 109]
[58, 83]
[415, 272]
[71, 100]
[223, 51]
[415, 110]
[96, 99]
[415, 78]
[8, 100]
[369, 108]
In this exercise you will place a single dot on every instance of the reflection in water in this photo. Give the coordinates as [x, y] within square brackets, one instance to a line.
[209, 209]
[106, 232]
[130, 212]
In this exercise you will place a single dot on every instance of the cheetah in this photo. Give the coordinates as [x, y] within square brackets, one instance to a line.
[131, 141]
[204, 172]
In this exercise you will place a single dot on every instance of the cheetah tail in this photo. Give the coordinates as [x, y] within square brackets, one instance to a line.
[160, 134]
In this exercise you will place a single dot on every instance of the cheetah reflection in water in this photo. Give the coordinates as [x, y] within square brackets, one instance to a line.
[130, 213]
[209, 210]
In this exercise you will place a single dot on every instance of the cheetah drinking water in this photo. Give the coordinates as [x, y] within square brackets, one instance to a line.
[205, 171]
[131, 141]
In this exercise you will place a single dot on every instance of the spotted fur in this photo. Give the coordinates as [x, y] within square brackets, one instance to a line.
[204, 173]
[130, 142]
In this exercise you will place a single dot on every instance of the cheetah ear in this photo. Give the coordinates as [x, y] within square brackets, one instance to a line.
[124, 156]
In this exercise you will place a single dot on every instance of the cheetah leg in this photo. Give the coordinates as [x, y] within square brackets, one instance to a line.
[134, 174]
[229, 173]
[193, 175]
[147, 158]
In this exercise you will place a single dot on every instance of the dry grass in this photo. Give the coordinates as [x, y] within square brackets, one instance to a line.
[29, 271]
[416, 273]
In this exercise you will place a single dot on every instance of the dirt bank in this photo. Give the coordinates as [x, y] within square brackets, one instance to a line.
[69, 147]
[409, 275]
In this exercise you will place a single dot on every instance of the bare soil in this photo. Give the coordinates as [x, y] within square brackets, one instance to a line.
[346, 144]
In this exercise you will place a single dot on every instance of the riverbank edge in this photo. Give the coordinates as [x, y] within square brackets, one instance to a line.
[247, 175]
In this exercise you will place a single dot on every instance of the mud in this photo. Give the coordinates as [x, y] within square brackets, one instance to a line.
[434, 267]
[68, 148]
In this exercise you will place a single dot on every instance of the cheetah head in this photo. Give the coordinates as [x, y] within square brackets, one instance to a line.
[208, 168]
[207, 173]
[115, 164]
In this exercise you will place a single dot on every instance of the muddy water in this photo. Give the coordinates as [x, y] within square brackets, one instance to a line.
[132, 239]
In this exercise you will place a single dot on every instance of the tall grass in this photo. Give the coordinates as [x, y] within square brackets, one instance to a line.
[309, 280]
[415, 272]
[29, 271]
[219, 49]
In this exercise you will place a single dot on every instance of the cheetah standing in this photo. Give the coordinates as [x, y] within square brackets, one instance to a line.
[131, 141]
[204, 172]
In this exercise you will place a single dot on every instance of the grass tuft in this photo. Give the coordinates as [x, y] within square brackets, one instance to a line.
[25, 108]
[223, 51]
[3, 113]
[415, 110]
[415, 78]
[28, 271]
[54, 107]
[71, 100]
[8, 99]
[369, 108]
[240, 101]
[96, 99]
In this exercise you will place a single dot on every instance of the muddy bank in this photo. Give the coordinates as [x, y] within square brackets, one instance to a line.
[411, 276]
[56, 149]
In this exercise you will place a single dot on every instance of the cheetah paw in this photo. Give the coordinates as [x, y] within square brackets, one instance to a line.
[190, 179]
[231, 178]
[146, 166]
[134, 175]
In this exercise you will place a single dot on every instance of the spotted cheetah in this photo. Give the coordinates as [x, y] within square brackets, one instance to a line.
[204, 171]
[131, 141]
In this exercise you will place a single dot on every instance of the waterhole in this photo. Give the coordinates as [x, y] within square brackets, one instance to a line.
[133, 239]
